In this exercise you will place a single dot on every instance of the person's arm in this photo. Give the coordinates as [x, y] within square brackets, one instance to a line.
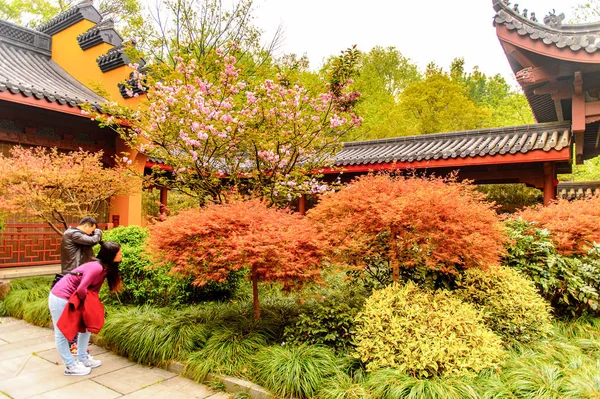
[81, 238]
[90, 274]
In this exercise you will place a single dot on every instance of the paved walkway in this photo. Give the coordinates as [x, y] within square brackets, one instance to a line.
[30, 367]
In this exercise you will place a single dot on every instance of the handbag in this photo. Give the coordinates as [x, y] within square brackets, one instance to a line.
[58, 276]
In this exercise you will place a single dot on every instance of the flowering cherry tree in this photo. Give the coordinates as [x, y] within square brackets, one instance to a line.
[210, 126]
[49, 186]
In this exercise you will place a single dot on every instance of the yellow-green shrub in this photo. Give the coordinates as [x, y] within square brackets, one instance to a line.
[424, 333]
[509, 303]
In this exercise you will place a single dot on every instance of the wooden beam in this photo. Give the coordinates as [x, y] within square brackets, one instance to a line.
[549, 180]
[578, 105]
[559, 111]
[534, 75]
[517, 55]
[40, 103]
[558, 90]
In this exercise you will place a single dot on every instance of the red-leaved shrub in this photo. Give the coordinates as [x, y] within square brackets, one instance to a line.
[574, 225]
[208, 243]
[438, 224]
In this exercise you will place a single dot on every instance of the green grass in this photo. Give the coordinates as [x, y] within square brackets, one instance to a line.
[3, 312]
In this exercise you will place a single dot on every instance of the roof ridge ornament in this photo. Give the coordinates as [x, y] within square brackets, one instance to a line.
[554, 21]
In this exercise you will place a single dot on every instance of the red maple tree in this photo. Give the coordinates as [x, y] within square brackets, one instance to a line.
[209, 243]
[574, 225]
[438, 223]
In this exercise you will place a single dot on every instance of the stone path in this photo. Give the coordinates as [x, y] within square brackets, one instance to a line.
[30, 367]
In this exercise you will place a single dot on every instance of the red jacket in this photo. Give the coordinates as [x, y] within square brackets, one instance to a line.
[80, 316]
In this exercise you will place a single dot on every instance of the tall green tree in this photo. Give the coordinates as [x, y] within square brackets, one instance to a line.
[384, 75]
[507, 106]
[439, 104]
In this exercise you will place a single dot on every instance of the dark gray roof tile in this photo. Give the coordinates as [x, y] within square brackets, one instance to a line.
[576, 36]
[79, 12]
[104, 32]
[468, 144]
[31, 73]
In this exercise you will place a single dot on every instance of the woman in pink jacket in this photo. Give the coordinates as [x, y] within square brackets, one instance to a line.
[93, 274]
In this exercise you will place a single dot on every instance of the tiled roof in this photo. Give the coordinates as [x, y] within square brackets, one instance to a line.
[104, 32]
[114, 58]
[79, 12]
[466, 144]
[577, 190]
[577, 37]
[29, 71]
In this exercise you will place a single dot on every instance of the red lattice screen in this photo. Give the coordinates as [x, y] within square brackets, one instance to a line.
[29, 245]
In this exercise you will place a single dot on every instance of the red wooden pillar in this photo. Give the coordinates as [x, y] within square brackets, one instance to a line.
[163, 200]
[302, 204]
[549, 178]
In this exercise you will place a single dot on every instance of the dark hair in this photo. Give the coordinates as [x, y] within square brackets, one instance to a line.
[106, 256]
[88, 220]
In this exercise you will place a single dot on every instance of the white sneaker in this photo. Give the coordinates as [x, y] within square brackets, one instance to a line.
[91, 362]
[78, 369]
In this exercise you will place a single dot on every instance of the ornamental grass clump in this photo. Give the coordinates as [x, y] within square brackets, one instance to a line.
[28, 299]
[152, 336]
[509, 303]
[227, 351]
[424, 333]
[387, 383]
[342, 386]
[294, 371]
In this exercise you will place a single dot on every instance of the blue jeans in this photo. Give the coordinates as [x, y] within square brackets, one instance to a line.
[57, 305]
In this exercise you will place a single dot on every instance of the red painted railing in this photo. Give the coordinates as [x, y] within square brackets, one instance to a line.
[30, 245]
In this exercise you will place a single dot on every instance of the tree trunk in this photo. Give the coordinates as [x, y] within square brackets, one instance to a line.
[394, 255]
[255, 294]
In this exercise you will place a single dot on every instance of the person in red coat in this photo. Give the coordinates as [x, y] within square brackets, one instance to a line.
[73, 290]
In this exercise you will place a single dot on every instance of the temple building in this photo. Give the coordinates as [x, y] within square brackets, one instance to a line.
[47, 72]
[558, 68]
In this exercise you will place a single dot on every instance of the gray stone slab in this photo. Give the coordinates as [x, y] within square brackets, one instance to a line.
[132, 378]
[26, 347]
[176, 387]
[39, 382]
[87, 389]
[22, 365]
[52, 355]
[25, 334]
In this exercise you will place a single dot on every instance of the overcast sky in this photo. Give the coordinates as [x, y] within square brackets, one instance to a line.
[424, 30]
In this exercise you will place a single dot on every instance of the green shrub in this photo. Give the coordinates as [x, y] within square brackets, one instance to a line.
[294, 371]
[509, 303]
[3, 312]
[570, 284]
[424, 333]
[390, 383]
[226, 352]
[147, 284]
[329, 322]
